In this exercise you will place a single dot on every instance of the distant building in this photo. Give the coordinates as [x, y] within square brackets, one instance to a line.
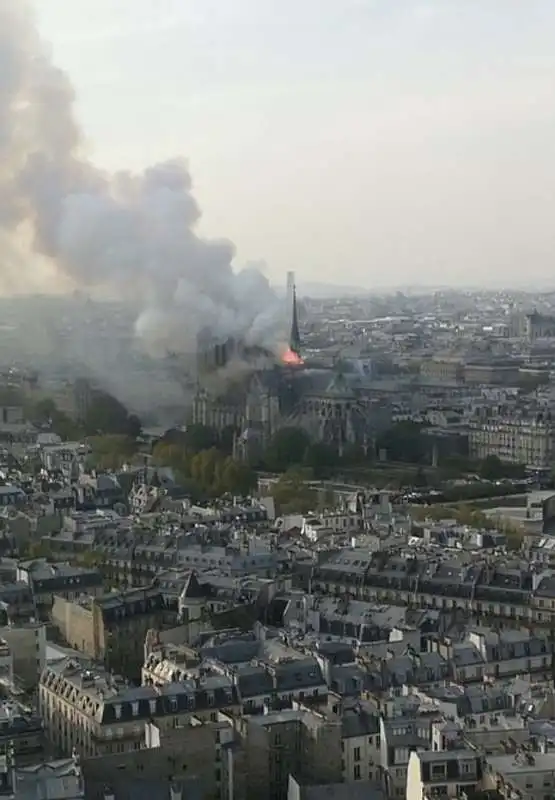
[21, 733]
[299, 742]
[111, 628]
[443, 773]
[442, 369]
[492, 373]
[27, 643]
[539, 326]
[517, 441]
[93, 712]
[65, 580]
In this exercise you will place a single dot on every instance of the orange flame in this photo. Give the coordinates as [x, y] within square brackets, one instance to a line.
[292, 359]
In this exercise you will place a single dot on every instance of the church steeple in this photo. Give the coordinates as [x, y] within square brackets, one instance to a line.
[295, 336]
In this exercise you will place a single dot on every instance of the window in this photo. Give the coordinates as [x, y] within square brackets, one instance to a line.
[357, 772]
[357, 754]
[135, 709]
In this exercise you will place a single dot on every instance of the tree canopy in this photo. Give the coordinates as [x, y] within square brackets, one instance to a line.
[404, 442]
[292, 494]
[210, 470]
[467, 514]
[172, 455]
[201, 437]
[197, 437]
[287, 449]
[493, 469]
[46, 413]
[321, 458]
[111, 451]
[106, 415]
[217, 474]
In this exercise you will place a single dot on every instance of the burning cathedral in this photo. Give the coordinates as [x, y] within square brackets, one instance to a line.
[252, 391]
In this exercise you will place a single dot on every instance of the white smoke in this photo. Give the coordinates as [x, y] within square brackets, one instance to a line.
[129, 235]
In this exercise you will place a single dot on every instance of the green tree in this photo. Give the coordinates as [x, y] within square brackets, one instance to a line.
[420, 480]
[45, 413]
[35, 550]
[201, 437]
[404, 442]
[66, 428]
[353, 454]
[205, 470]
[111, 451]
[463, 513]
[491, 468]
[292, 493]
[515, 537]
[107, 415]
[90, 558]
[227, 438]
[237, 478]
[321, 458]
[172, 455]
[287, 449]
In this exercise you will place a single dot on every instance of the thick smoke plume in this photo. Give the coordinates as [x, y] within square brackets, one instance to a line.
[131, 236]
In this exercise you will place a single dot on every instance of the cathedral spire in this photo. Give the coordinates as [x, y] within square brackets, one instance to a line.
[295, 336]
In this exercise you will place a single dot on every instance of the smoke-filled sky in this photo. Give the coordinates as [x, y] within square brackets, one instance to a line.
[365, 142]
[129, 235]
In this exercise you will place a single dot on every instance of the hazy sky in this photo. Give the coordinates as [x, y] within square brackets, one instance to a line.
[364, 142]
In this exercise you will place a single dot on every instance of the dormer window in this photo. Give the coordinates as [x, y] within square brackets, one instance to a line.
[438, 770]
[117, 711]
[135, 709]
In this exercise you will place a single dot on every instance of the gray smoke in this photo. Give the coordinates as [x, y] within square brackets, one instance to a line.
[129, 236]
